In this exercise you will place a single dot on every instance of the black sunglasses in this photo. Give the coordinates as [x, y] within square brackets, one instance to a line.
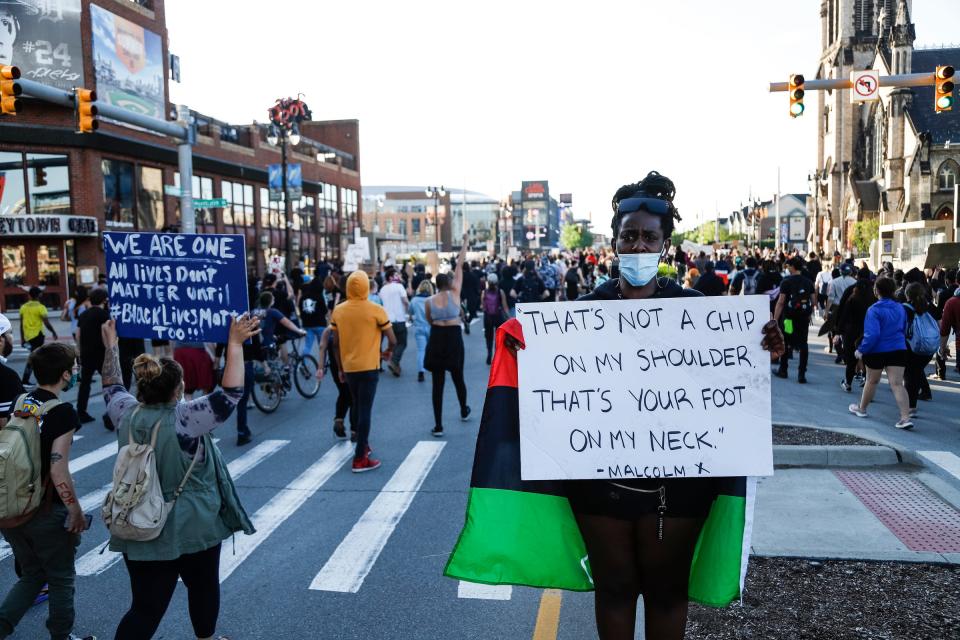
[653, 205]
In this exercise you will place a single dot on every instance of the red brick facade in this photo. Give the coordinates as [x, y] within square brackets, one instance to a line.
[333, 184]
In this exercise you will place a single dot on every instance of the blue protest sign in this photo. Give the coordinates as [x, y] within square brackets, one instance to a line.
[171, 286]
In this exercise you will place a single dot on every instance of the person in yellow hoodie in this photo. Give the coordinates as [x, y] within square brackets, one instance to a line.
[358, 327]
[33, 318]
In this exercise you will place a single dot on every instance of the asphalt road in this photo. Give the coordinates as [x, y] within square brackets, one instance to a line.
[374, 544]
[399, 588]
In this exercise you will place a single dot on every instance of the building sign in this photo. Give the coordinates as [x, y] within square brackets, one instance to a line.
[798, 229]
[534, 190]
[181, 287]
[129, 64]
[865, 86]
[48, 226]
[42, 37]
[663, 388]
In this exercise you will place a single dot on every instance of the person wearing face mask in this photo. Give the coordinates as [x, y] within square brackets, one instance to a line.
[208, 510]
[45, 545]
[619, 521]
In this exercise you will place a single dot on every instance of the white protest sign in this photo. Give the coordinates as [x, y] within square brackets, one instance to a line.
[276, 265]
[656, 388]
[354, 257]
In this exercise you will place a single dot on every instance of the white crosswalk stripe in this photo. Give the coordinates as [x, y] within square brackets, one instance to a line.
[476, 591]
[284, 504]
[349, 565]
[93, 457]
[94, 562]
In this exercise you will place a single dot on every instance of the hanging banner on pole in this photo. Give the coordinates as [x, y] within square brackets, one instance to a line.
[658, 388]
[181, 287]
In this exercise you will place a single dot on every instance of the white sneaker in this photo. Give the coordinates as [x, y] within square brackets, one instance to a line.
[904, 424]
[913, 413]
[855, 410]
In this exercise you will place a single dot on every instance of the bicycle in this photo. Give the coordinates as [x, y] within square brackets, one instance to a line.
[272, 379]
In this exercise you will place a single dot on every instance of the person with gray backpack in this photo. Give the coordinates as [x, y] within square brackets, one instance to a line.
[168, 454]
[40, 514]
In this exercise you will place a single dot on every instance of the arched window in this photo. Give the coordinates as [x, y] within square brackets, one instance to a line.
[944, 213]
[947, 175]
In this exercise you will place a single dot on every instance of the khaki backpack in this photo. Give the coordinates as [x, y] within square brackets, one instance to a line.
[134, 509]
[21, 484]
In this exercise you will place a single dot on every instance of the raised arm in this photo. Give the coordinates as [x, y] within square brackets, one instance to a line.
[197, 417]
[115, 396]
[458, 271]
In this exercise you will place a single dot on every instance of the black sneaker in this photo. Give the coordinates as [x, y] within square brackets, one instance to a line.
[845, 386]
[108, 423]
[353, 435]
[244, 438]
[338, 429]
[86, 418]
[780, 373]
[420, 376]
[802, 379]
[437, 432]
[465, 413]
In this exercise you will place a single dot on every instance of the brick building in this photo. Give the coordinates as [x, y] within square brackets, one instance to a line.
[59, 190]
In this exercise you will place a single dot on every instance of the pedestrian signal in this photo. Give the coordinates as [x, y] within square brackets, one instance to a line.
[86, 110]
[796, 95]
[10, 89]
[943, 89]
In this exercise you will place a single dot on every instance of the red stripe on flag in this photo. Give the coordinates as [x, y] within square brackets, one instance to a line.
[503, 372]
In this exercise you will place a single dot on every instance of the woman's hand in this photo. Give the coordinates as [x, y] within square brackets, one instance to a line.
[512, 343]
[242, 328]
[108, 332]
[320, 372]
[773, 340]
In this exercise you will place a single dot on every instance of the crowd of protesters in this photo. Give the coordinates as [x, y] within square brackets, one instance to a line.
[360, 322]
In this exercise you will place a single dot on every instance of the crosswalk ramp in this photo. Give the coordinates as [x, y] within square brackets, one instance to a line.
[344, 570]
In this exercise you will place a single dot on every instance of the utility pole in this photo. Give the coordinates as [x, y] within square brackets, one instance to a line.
[776, 203]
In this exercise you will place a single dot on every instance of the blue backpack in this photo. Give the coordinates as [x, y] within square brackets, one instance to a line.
[923, 333]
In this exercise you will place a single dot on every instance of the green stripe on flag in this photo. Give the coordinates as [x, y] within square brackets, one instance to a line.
[521, 538]
[715, 570]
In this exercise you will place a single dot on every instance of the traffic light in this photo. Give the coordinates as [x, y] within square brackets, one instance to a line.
[39, 177]
[9, 90]
[86, 111]
[943, 89]
[796, 95]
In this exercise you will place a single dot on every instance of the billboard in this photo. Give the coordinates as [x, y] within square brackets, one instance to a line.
[128, 60]
[42, 37]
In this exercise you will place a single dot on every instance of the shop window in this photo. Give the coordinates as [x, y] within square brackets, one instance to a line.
[12, 194]
[48, 182]
[36, 183]
[118, 193]
[150, 199]
[14, 265]
[199, 188]
[240, 210]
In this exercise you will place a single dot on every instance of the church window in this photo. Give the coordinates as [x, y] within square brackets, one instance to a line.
[863, 16]
[947, 176]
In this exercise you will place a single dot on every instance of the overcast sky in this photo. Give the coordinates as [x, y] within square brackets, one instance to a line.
[483, 95]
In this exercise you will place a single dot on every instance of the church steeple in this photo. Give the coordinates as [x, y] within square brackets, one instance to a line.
[901, 37]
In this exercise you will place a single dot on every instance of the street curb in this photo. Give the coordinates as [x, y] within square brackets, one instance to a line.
[793, 455]
[918, 557]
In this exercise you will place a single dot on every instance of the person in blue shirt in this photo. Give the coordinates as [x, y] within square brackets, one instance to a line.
[270, 319]
[884, 346]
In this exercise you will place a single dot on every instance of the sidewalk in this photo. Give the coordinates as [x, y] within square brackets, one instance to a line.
[895, 512]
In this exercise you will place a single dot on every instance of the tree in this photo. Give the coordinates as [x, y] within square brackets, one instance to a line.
[575, 236]
[863, 233]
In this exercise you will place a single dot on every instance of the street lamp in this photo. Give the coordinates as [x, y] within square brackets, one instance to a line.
[436, 194]
[282, 135]
[506, 214]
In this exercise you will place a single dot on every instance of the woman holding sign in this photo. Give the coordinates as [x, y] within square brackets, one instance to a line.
[641, 534]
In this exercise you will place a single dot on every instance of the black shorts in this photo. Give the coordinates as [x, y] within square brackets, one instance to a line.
[885, 359]
[685, 497]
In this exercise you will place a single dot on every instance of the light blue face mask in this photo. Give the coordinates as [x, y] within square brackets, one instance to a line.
[639, 268]
[72, 382]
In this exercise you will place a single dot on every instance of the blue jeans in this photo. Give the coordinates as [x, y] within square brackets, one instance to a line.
[363, 389]
[248, 381]
[422, 336]
[313, 335]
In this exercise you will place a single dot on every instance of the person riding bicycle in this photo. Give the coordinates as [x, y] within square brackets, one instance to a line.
[270, 319]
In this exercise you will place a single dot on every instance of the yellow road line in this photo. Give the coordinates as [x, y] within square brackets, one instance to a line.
[548, 616]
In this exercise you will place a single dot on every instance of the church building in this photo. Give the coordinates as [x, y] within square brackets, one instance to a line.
[893, 162]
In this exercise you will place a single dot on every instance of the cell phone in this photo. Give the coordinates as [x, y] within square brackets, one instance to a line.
[87, 516]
